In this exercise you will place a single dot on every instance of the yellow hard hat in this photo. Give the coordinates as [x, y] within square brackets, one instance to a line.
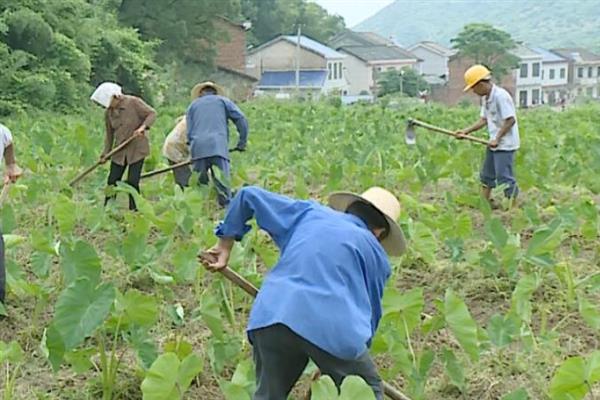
[475, 74]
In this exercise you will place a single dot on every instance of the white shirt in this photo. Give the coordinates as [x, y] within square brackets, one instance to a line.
[496, 108]
[5, 140]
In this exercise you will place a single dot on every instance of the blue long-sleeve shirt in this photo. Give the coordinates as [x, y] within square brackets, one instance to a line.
[208, 132]
[328, 282]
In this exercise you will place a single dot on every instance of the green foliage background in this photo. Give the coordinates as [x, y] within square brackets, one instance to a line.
[53, 52]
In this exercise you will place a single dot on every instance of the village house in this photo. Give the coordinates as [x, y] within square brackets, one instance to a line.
[584, 71]
[368, 55]
[528, 77]
[555, 78]
[321, 69]
[435, 58]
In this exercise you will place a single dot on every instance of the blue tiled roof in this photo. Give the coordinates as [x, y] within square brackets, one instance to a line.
[315, 46]
[288, 78]
[547, 55]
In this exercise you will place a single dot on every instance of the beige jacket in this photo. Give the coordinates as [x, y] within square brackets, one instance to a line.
[176, 148]
[122, 119]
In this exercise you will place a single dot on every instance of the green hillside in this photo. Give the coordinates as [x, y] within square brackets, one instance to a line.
[549, 23]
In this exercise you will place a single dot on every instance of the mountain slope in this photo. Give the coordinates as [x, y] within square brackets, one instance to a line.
[547, 23]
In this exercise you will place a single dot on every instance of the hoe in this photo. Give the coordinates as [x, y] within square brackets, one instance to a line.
[411, 135]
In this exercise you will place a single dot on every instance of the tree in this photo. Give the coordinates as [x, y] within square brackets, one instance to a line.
[488, 46]
[406, 81]
[53, 51]
[186, 30]
[271, 18]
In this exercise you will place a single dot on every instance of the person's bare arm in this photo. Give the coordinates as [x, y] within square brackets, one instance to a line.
[13, 172]
[473, 128]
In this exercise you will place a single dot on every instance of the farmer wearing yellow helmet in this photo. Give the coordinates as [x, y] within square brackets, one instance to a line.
[499, 115]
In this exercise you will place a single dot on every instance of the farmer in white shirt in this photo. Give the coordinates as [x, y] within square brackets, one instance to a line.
[13, 172]
[499, 115]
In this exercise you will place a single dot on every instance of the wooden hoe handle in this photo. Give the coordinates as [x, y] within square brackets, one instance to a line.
[100, 162]
[444, 131]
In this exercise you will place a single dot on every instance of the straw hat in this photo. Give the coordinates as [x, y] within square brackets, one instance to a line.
[104, 93]
[201, 86]
[395, 243]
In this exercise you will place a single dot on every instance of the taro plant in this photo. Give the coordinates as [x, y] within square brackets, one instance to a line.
[11, 358]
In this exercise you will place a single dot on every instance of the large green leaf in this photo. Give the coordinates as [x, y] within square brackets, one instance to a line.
[501, 330]
[521, 296]
[80, 309]
[461, 324]
[496, 232]
[65, 214]
[80, 260]
[519, 394]
[407, 306]
[169, 378]
[161, 379]
[590, 312]
[568, 382]
[11, 352]
[140, 309]
[453, 369]
[352, 388]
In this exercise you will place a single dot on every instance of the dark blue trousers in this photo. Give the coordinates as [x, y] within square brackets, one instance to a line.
[206, 165]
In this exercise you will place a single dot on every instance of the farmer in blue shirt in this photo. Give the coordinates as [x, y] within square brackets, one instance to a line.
[208, 134]
[499, 115]
[322, 300]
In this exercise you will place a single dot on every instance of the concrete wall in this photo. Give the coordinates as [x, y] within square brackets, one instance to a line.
[281, 56]
[433, 64]
[359, 76]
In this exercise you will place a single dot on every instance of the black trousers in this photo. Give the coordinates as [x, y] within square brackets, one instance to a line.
[2, 271]
[281, 355]
[181, 174]
[133, 179]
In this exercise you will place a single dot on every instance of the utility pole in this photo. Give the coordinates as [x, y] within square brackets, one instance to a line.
[298, 60]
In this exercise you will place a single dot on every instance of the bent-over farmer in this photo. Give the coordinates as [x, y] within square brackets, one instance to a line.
[322, 300]
[208, 134]
[499, 115]
[12, 173]
[125, 116]
[176, 150]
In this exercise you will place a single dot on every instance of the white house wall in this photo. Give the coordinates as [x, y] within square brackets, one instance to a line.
[359, 76]
[281, 56]
[433, 64]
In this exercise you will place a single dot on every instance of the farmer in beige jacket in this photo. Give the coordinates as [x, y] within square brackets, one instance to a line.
[176, 150]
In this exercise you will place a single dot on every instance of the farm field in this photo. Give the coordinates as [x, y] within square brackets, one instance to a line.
[487, 304]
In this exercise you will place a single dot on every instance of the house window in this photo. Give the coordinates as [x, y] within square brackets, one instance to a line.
[330, 75]
[523, 71]
[535, 96]
[563, 73]
[335, 71]
[598, 73]
[551, 73]
[341, 69]
[590, 72]
[536, 70]
[543, 71]
[589, 91]
[523, 98]
[580, 72]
